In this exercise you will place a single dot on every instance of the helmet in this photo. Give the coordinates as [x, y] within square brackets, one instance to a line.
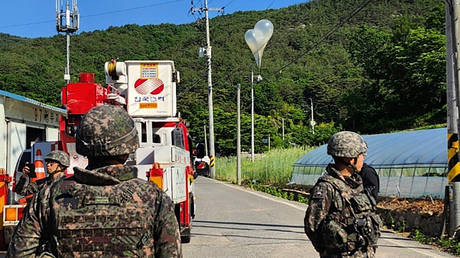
[59, 156]
[106, 130]
[346, 144]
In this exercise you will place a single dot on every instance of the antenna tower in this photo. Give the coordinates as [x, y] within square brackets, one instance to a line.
[67, 21]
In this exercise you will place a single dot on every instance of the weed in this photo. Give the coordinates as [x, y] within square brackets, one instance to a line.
[273, 167]
[302, 199]
[402, 227]
[392, 221]
[422, 238]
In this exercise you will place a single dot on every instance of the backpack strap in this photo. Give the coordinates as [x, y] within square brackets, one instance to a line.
[340, 186]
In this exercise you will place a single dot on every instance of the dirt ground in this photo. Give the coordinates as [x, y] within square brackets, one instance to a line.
[427, 206]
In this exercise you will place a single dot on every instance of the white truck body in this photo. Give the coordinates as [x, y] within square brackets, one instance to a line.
[150, 91]
[149, 87]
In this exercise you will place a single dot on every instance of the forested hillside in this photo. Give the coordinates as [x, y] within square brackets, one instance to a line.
[383, 70]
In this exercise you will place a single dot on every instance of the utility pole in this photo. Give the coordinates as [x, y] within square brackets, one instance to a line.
[205, 141]
[282, 128]
[453, 104]
[269, 142]
[210, 104]
[238, 136]
[67, 21]
[312, 121]
[252, 115]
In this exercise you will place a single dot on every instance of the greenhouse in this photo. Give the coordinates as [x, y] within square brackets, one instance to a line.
[410, 164]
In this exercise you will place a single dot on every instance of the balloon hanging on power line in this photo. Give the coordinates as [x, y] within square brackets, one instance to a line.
[258, 38]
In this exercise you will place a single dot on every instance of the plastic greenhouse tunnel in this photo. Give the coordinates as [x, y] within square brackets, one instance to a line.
[410, 164]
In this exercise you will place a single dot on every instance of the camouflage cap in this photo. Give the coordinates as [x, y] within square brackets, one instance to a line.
[59, 156]
[346, 144]
[106, 130]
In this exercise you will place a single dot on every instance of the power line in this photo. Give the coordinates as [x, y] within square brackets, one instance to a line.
[229, 3]
[134, 8]
[95, 15]
[27, 24]
[270, 5]
[327, 35]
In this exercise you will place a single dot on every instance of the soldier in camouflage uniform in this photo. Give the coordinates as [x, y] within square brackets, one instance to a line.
[341, 220]
[56, 163]
[103, 210]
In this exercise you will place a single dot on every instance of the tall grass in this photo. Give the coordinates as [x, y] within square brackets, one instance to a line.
[273, 167]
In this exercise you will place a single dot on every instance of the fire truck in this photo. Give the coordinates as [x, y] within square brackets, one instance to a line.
[147, 89]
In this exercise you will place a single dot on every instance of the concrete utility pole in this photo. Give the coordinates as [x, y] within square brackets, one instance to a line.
[210, 104]
[312, 121]
[205, 141]
[252, 115]
[282, 119]
[453, 104]
[269, 142]
[238, 136]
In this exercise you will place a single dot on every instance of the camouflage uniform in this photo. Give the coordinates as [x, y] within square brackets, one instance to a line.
[340, 220]
[24, 188]
[103, 212]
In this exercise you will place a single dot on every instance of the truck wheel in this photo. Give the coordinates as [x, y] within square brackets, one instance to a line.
[192, 207]
[186, 233]
[185, 236]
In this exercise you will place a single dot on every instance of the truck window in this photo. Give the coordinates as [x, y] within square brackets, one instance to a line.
[156, 138]
[143, 132]
[178, 137]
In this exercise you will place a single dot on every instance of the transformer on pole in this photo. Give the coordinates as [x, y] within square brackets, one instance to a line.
[67, 21]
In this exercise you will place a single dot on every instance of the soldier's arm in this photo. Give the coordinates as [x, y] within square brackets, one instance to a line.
[318, 208]
[21, 185]
[26, 237]
[31, 188]
[166, 230]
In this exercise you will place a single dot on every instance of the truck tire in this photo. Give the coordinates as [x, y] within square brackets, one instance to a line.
[185, 234]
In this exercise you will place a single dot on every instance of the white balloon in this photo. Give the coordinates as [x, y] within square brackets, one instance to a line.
[258, 38]
[250, 38]
[263, 30]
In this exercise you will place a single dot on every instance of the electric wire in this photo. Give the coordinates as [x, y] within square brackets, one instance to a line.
[132, 9]
[95, 15]
[327, 35]
[270, 5]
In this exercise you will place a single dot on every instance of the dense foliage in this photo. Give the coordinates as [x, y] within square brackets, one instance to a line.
[383, 70]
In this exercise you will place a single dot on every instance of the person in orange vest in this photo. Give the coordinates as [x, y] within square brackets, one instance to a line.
[56, 163]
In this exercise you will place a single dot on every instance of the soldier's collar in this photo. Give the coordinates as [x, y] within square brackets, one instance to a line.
[109, 175]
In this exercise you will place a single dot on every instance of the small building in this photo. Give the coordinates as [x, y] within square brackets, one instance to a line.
[410, 164]
[22, 122]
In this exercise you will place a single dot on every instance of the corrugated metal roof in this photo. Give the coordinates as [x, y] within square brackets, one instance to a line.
[31, 101]
[422, 148]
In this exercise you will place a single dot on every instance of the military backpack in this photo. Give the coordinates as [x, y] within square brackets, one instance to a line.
[99, 220]
[352, 223]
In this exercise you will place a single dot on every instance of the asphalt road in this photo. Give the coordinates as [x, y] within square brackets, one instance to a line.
[234, 222]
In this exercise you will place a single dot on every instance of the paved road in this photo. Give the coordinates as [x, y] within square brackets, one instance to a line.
[234, 222]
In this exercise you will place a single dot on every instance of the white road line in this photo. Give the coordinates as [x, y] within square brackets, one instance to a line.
[260, 195]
